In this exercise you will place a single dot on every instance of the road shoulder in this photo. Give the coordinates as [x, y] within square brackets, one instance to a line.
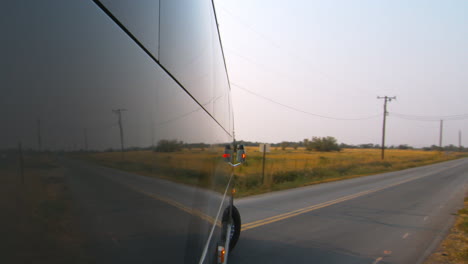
[454, 248]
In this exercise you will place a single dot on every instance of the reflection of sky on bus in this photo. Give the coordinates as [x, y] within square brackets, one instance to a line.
[333, 58]
[70, 66]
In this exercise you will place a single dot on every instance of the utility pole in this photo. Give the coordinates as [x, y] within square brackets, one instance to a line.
[386, 99]
[441, 132]
[459, 140]
[118, 112]
[21, 162]
[263, 163]
[85, 135]
[39, 139]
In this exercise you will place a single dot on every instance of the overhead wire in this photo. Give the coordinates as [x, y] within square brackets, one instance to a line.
[277, 46]
[300, 110]
[429, 118]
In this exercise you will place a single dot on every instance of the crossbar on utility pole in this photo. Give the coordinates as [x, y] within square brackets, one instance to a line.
[386, 99]
[118, 112]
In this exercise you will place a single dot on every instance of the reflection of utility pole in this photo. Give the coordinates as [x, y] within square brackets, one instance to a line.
[85, 135]
[441, 131]
[386, 99]
[118, 112]
[39, 140]
[152, 135]
[21, 162]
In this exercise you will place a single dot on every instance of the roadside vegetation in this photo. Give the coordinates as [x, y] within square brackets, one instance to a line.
[37, 225]
[454, 248]
[285, 166]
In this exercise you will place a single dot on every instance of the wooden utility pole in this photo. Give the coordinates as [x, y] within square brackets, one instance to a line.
[21, 162]
[263, 164]
[441, 133]
[386, 99]
[118, 112]
[152, 135]
[459, 140]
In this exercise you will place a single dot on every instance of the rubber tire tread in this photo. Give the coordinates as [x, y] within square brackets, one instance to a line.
[237, 222]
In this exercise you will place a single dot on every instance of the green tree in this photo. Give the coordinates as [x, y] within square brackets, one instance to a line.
[322, 144]
[165, 145]
[284, 145]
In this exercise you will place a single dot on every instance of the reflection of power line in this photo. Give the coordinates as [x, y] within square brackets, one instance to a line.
[178, 117]
[302, 111]
[212, 100]
[155, 60]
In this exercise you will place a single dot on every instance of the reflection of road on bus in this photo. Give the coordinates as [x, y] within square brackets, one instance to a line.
[135, 219]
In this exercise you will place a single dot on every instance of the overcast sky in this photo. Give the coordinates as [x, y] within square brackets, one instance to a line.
[333, 58]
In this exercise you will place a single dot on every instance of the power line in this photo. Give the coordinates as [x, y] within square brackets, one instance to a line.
[429, 118]
[297, 57]
[299, 110]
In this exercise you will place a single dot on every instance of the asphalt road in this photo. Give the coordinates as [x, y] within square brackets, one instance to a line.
[396, 217]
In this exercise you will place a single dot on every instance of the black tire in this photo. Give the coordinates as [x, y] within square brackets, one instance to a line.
[235, 231]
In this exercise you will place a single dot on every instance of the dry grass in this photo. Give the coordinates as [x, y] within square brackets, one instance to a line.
[283, 168]
[454, 248]
[300, 159]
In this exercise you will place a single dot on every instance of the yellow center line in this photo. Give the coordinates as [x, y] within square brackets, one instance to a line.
[297, 212]
[180, 206]
[271, 219]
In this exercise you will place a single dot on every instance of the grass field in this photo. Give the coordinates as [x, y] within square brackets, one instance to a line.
[284, 169]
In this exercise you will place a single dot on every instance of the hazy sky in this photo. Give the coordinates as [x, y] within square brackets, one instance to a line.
[333, 58]
[68, 65]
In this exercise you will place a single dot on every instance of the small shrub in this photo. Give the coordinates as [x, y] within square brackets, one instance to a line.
[289, 176]
[165, 145]
[251, 181]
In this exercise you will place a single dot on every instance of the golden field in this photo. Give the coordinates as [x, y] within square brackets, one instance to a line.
[283, 168]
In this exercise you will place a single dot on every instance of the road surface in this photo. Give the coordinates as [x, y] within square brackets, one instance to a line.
[396, 217]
